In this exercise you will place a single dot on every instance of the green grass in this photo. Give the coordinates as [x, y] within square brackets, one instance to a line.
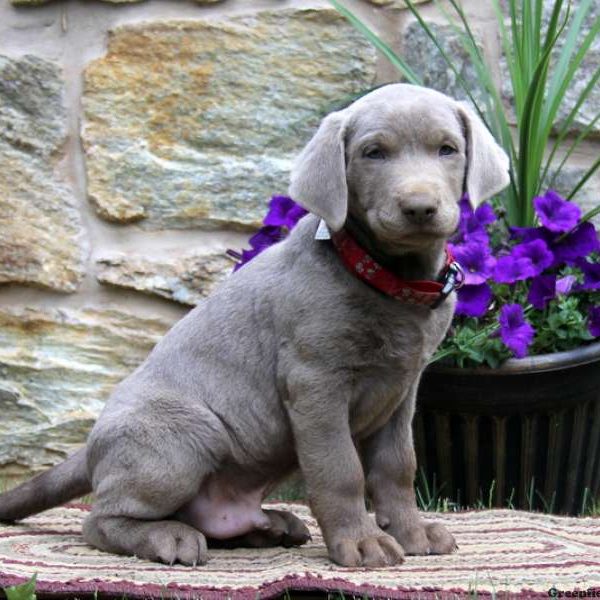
[430, 497]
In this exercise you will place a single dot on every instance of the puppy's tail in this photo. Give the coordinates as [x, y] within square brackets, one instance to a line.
[62, 483]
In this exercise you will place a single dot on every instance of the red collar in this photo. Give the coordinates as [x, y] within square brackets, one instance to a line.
[428, 293]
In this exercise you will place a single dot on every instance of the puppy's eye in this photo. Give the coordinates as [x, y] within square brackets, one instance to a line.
[374, 153]
[446, 150]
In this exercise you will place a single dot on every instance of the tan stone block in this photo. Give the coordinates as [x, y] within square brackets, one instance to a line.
[195, 123]
[185, 279]
[41, 234]
[57, 368]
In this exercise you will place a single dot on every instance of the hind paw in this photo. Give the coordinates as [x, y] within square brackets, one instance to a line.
[286, 530]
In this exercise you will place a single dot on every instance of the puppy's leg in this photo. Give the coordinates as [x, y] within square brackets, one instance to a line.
[161, 541]
[335, 481]
[286, 530]
[137, 494]
[390, 462]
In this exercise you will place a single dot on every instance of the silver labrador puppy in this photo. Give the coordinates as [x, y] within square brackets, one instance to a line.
[295, 362]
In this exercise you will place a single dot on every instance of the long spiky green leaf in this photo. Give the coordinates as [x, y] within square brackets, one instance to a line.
[584, 178]
[590, 214]
[566, 128]
[445, 56]
[533, 134]
[519, 54]
[553, 23]
[467, 27]
[384, 48]
[539, 10]
[570, 41]
[567, 66]
[507, 46]
[517, 61]
[582, 135]
[529, 149]
[469, 44]
[494, 108]
[555, 101]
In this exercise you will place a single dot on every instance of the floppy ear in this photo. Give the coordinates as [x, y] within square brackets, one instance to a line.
[318, 179]
[487, 163]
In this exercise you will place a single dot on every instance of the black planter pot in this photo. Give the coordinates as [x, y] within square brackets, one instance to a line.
[528, 431]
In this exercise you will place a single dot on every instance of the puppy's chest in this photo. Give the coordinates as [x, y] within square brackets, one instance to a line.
[399, 339]
[388, 353]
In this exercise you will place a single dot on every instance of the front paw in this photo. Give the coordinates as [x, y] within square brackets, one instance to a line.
[377, 549]
[425, 538]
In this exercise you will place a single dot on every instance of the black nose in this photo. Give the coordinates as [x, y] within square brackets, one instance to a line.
[419, 214]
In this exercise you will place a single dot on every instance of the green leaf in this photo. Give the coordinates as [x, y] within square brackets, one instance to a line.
[591, 213]
[494, 108]
[565, 130]
[25, 591]
[584, 178]
[566, 66]
[466, 87]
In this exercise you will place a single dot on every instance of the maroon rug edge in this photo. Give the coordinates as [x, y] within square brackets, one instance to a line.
[266, 591]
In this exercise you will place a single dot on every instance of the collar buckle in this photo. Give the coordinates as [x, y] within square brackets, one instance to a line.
[454, 278]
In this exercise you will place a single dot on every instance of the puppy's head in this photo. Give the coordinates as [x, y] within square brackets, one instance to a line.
[398, 160]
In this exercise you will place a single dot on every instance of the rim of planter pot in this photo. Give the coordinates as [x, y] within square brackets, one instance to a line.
[532, 364]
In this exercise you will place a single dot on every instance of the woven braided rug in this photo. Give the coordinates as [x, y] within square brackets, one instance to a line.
[510, 554]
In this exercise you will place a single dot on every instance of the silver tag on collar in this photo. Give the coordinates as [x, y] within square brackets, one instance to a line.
[322, 231]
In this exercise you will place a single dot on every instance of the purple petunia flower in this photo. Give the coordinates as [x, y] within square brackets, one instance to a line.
[243, 258]
[476, 261]
[537, 252]
[591, 275]
[466, 212]
[556, 213]
[266, 236]
[473, 300]
[565, 284]
[509, 269]
[577, 244]
[541, 291]
[594, 321]
[471, 225]
[485, 215]
[528, 234]
[284, 212]
[515, 332]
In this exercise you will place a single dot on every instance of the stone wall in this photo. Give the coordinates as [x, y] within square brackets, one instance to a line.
[138, 141]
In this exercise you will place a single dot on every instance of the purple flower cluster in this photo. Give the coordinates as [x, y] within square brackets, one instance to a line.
[533, 255]
[283, 215]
